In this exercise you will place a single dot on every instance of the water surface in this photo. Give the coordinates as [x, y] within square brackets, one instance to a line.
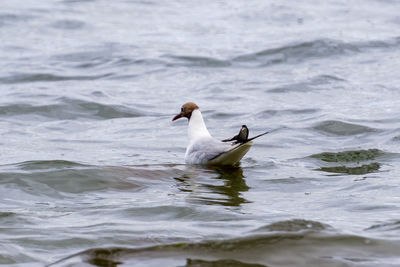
[91, 166]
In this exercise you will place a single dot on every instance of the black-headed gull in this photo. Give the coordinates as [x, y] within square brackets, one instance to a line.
[204, 149]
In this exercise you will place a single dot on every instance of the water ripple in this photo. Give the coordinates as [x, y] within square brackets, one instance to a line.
[353, 162]
[298, 52]
[55, 177]
[290, 54]
[349, 156]
[70, 109]
[387, 226]
[47, 77]
[9, 18]
[294, 225]
[358, 170]
[88, 87]
[342, 128]
[68, 24]
[197, 61]
[253, 250]
[311, 84]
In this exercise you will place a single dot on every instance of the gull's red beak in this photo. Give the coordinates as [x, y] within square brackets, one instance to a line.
[180, 115]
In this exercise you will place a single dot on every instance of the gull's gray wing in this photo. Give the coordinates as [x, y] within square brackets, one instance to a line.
[205, 149]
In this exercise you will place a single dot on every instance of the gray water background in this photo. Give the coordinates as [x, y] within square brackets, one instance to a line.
[92, 170]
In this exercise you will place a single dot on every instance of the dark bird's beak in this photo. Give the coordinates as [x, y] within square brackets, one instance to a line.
[180, 115]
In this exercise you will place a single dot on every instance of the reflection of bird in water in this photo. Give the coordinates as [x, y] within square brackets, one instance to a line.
[209, 191]
[233, 186]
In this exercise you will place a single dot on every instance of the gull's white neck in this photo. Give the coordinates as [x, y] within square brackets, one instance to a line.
[197, 129]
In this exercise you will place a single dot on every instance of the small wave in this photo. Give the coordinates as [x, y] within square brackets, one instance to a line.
[276, 249]
[87, 55]
[349, 156]
[350, 161]
[388, 226]
[273, 112]
[322, 48]
[219, 263]
[358, 170]
[292, 54]
[197, 61]
[49, 164]
[56, 177]
[311, 84]
[8, 18]
[342, 128]
[54, 181]
[294, 225]
[68, 24]
[86, 58]
[379, 44]
[78, 1]
[47, 77]
[298, 52]
[5, 214]
[107, 58]
[126, 61]
[69, 108]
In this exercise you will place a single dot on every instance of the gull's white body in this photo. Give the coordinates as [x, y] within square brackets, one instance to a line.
[204, 149]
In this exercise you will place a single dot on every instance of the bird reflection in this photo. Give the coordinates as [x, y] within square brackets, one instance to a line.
[224, 189]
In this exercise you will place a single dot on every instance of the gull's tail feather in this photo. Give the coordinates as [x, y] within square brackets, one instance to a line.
[256, 136]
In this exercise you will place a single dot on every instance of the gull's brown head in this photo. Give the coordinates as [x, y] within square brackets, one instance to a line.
[186, 110]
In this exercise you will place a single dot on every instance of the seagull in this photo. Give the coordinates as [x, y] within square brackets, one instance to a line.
[204, 149]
